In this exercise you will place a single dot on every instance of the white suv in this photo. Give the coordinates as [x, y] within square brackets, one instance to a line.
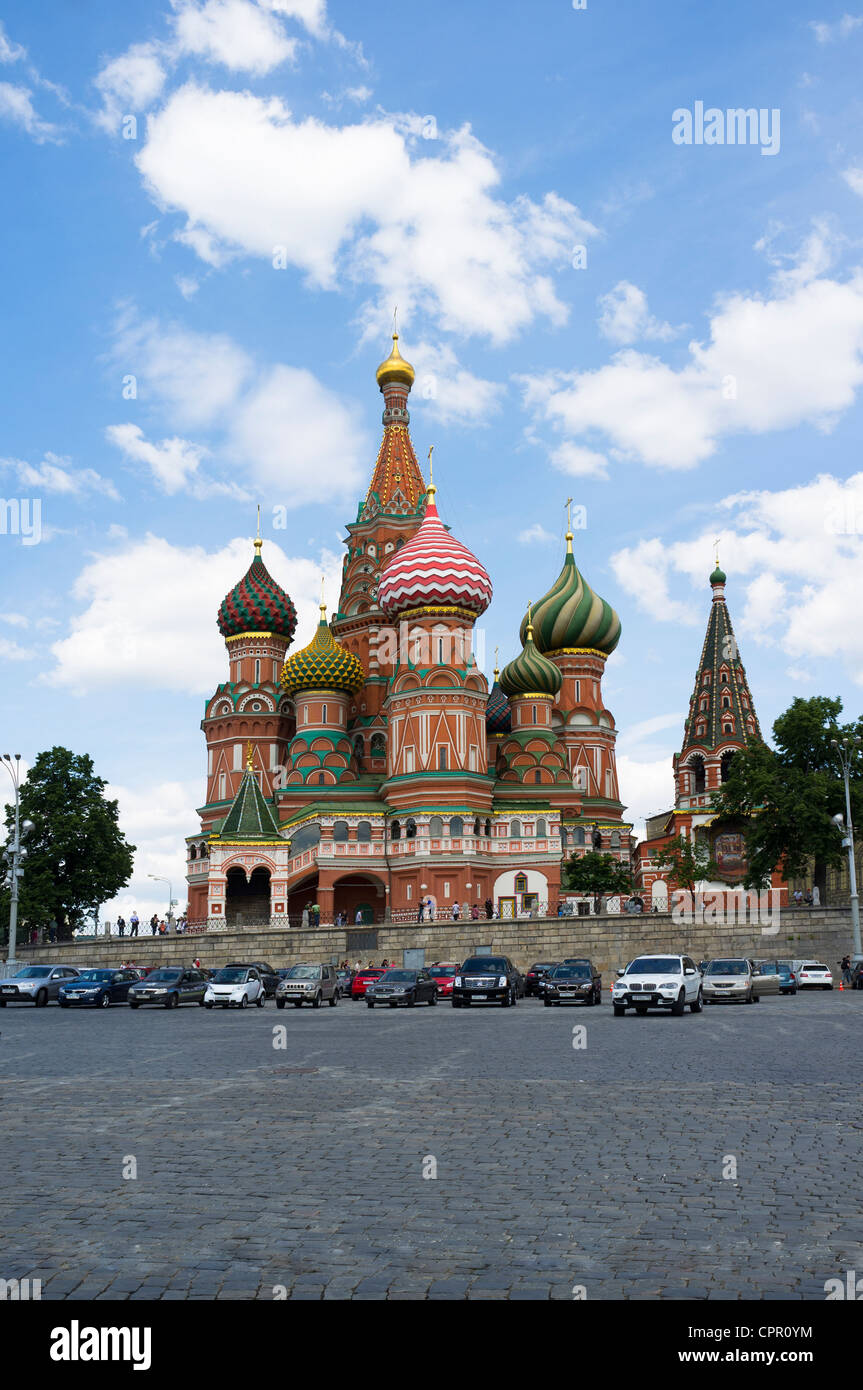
[658, 982]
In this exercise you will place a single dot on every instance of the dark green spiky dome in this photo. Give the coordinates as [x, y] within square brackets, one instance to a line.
[323, 665]
[530, 673]
[572, 615]
[257, 604]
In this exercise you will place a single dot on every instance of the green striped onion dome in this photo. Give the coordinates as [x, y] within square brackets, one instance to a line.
[531, 673]
[257, 604]
[572, 615]
[718, 576]
[323, 665]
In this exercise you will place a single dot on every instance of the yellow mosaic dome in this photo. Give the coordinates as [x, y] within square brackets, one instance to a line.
[323, 665]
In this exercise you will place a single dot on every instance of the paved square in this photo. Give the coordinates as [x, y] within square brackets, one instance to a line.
[300, 1170]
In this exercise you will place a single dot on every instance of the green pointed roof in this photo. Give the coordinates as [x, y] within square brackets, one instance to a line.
[530, 673]
[572, 615]
[251, 817]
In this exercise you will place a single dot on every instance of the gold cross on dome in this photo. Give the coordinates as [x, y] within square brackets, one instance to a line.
[568, 505]
[716, 549]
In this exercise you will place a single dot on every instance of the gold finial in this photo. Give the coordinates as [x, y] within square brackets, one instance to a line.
[529, 633]
[496, 662]
[258, 541]
[250, 762]
[569, 525]
[431, 487]
[716, 550]
[322, 605]
[395, 321]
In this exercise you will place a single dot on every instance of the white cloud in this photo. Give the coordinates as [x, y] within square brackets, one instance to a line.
[451, 393]
[625, 317]
[312, 14]
[298, 439]
[794, 560]
[13, 651]
[236, 33]
[187, 285]
[10, 52]
[196, 376]
[842, 29]
[54, 475]
[770, 363]
[579, 462]
[155, 817]
[16, 105]
[174, 463]
[854, 179]
[417, 218]
[646, 787]
[536, 534]
[130, 83]
[117, 640]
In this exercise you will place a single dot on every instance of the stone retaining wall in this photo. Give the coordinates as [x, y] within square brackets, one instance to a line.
[820, 933]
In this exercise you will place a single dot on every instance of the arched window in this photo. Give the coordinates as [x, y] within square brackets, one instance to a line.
[410, 828]
[521, 883]
[705, 679]
[340, 831]
[615, 839]
[476, 827]
[488, 827]
[378, 746]
[305, 837]
[203, 852]
[515, 830]
[359, 748]
[364, 832]
[725, 765]
[435, 827]
[456, 827]
[578, 835]
[321, 779]
[537, 776]
[193, 853]
[698, 775]
[395, 830]
[726, 702]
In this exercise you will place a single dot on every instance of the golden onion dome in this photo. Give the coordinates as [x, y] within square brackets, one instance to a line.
[395, 367]
[323, 665]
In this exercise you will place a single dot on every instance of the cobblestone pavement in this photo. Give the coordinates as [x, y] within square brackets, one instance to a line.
[301, 1169]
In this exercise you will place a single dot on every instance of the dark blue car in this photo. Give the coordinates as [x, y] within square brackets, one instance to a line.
[97, 989]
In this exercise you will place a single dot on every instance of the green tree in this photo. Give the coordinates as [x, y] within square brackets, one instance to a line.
[687, 864]
[788, 795]
[596, 874]
[77, 856]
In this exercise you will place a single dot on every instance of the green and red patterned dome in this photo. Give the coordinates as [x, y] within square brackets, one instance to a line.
[257, 604]
[323, 665]
[498, 715]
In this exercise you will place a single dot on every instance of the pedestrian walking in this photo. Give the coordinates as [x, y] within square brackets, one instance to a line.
[456, 912]
[133, 923]
[474, 912]
[154, 924]
[845, 967]
[358, 919]
[121, 926]
[489, 908]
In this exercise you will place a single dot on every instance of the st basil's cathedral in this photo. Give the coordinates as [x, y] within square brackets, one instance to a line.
[373, 769]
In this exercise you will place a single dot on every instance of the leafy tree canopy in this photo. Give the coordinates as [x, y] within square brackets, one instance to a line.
[77, 856]
[596, 874]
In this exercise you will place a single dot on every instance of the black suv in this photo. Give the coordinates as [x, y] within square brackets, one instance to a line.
[574, 982]
[536, 977]
[487, 980]
[269, 976]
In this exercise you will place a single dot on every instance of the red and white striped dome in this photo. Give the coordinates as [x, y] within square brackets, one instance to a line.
[433, 570]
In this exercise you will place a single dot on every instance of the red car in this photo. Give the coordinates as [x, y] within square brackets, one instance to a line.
[364, 978]
[443, 975]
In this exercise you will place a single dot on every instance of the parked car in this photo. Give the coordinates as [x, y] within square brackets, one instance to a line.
[35, 984]
[308, 984]
[487, 980]
[235, 987]
[538, 972]
[402, 986]
[344, 979]
[787, 977]
[813, 975]
[363, 978]
[766, 977]
[729, 981]
[169, 986]
[268, 975]
[573, 984]
[97, 988]
[658, 982]
[443, 973]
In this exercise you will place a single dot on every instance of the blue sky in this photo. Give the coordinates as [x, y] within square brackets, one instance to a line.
[693, 373]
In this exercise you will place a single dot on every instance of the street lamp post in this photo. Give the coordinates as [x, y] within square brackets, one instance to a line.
[170, 894]
[845, 751]
[15, 853]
